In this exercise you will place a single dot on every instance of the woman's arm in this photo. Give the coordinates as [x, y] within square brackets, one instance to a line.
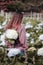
[22, 38]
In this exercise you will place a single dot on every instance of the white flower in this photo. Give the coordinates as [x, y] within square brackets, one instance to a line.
[1, 27]
[3, 37]
[41, 37]
[40, 24]
[13, 52]
[28, 26]
[11, 34]
[3, 43]
[4, 23]
[38, 28]
[32, 41]
[40, 52]
[32, 49]
[27, 35]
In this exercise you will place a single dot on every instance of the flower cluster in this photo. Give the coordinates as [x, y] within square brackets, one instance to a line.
[11, 34]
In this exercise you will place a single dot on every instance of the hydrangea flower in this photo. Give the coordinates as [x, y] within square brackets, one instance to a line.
[41, 37]
[40, 52]
[32, 49]
[27, 35]
[11, 34]
[28, 26]
[2, 37]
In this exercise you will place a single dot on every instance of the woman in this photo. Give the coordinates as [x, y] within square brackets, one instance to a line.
[16, 23]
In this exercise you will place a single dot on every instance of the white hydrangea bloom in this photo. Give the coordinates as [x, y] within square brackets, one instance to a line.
[40, 24]
[13, 52]
[11, 34]
[32, 41]
[32, 49]
[3, 37]
[3, 43]
[4, 23]
[28, 25]
[38, 27]
[1, 27]
[40, 52]
[41, 37]
[27, 35]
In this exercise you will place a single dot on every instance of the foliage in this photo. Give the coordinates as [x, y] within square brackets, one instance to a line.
[2, 18]
[15, 7]
[31, 53]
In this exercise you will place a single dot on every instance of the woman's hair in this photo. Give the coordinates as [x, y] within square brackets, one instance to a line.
[15, 21]
[17, 17]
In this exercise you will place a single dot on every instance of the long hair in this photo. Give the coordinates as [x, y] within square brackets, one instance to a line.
[17, 19]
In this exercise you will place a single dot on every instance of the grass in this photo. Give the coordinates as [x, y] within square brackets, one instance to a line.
[2, 18]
